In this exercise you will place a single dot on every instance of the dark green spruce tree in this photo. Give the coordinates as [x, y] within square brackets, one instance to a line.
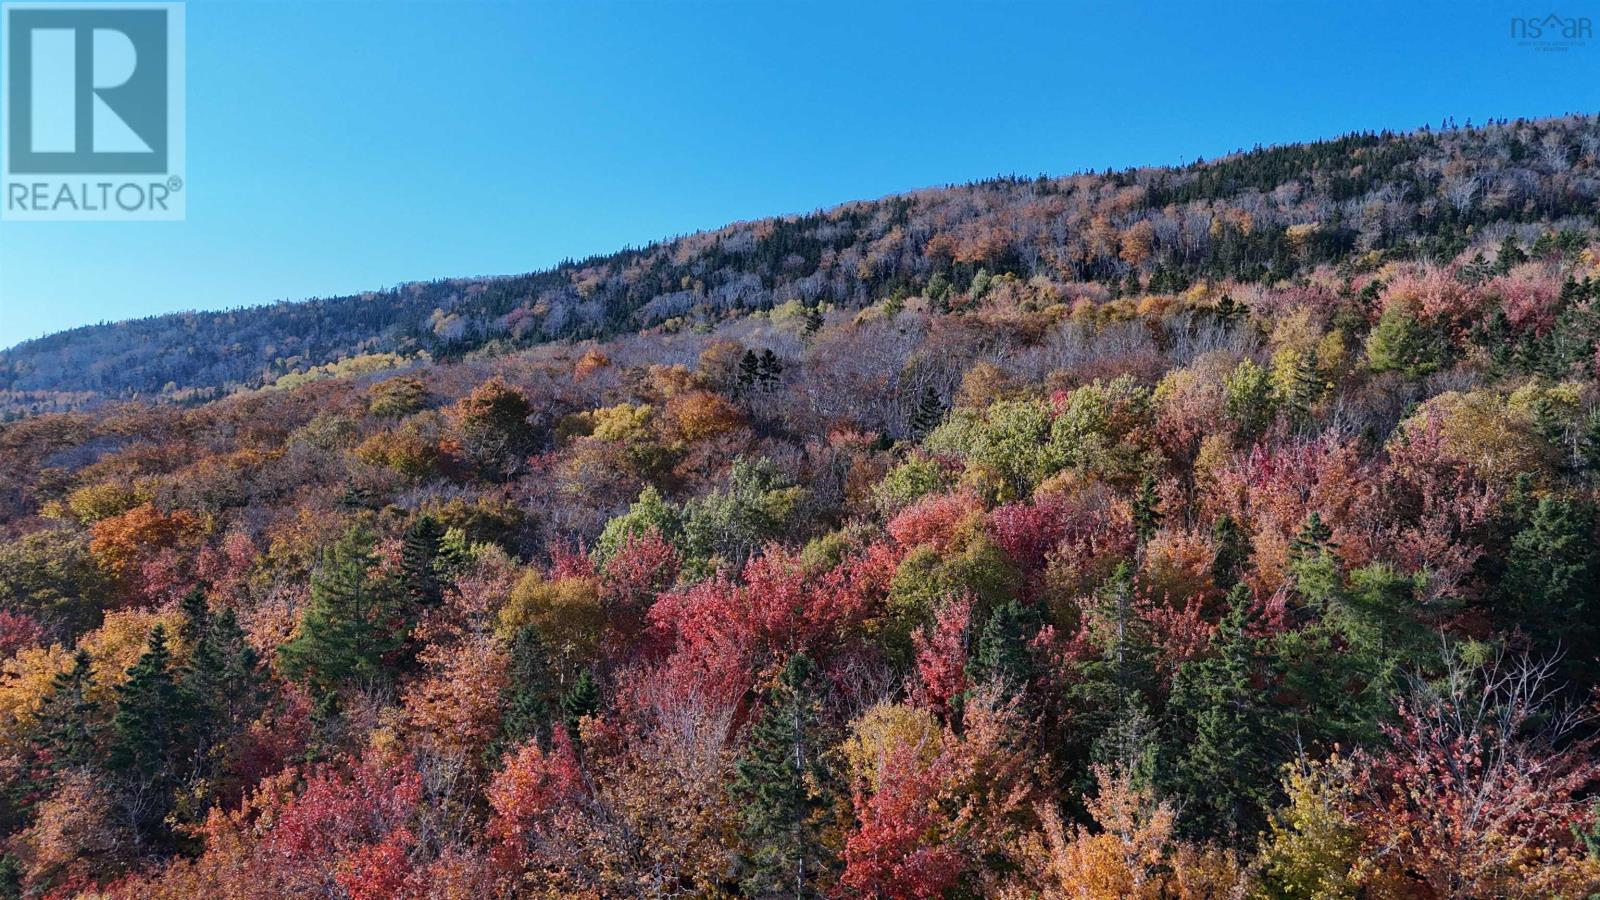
[223, 681]
[529, 695]
[149, 745]
[1233, 551]
[749, 369]
[1511, 255]
[813, 322]
[1551, 584]
[1147, 509]
[1109, 702]
[69, 720]
[1221, 739]
[1306, 390]
[1001, 653]
[928, 415]
[780, 782]
[768, 368]
[582, 699]
[351, 626]
[419, 562]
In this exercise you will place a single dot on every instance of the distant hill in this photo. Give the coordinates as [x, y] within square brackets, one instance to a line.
[1263, 215]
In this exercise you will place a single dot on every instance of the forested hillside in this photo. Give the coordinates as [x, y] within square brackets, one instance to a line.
[1219, 532]
[1259, 217]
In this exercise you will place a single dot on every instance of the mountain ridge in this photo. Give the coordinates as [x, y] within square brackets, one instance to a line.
[1266, 213]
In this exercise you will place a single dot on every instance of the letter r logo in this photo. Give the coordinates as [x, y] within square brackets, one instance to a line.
[87, 90]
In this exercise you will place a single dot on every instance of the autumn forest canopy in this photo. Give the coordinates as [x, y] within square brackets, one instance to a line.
[1227, 530]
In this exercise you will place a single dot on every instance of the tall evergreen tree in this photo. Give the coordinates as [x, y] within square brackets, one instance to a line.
[149, 734]
[780, 784]
[1108, 700]
[1229, 310]
[351, 625]
[768, 369]
[528, 693]
[151, 716]
[813, 322]
[749, 369]
[419, 562]
[1511, 255]
[1001, 652]
[582, 699]
[224, 683]
[1551, 583]
[1221, 739]
[1147, 509]
[1306, 389]
[1233, 551]
[1314, 539]
[929, 413]
[69, 720]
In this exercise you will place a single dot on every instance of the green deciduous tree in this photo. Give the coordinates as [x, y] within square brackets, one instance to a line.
[1249, 402]
[1399, 343]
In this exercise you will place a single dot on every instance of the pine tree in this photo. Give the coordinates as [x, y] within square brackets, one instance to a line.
[224, 683]
[582, 699]
[1544, 246]
[1229, 310]
[1306, 389]
[1589, 442]
[768, 370]
[526, 708]
[151, 714]
[929, 414]
[350, 625]
[148, 737]
[196, 613]
[1552, 580]
[779, 782]
[1147, 509]
[749, 369]
[1107, 701]
[355, 498]
[1315, 539]
[813, 323]
[1233, 551]
[1128, 641]
[10, 877]
[419, 562]
[1001, 653]
[939, 290]
[69, 720]
[1221, 740]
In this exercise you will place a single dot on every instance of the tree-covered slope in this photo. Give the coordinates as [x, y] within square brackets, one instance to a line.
[1261, 215]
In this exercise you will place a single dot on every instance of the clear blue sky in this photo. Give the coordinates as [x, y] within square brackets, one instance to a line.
[338, 147]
